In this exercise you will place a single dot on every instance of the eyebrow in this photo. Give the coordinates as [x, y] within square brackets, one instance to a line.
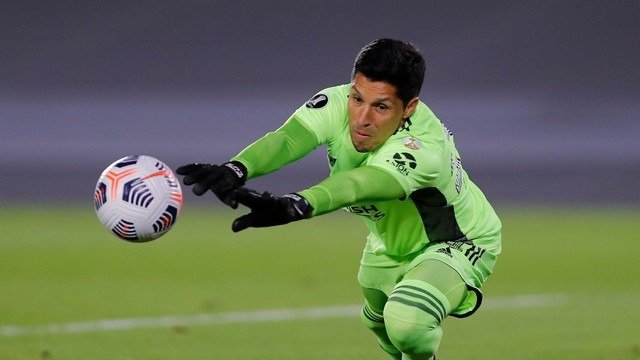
[375, 101]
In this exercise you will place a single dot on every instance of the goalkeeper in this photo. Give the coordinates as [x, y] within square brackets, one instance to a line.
[434, 238]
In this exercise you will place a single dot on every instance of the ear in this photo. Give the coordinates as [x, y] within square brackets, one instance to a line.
[410, 108]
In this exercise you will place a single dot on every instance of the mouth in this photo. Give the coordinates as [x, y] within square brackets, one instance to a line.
[360, 138]
[362, 141]
[361, 134]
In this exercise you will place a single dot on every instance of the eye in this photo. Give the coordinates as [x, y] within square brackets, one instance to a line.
[382, 107]
[356, 98]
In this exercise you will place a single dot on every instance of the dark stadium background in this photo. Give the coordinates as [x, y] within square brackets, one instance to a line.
[543, 96]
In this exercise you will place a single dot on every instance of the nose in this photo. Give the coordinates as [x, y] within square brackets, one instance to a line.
[363, 117]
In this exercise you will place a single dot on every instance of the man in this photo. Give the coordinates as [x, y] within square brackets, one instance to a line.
[433, 238]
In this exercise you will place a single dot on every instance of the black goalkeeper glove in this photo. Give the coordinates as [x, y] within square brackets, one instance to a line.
[221, 179]
[270, 210]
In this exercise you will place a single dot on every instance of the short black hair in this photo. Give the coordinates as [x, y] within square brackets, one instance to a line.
[395, 62]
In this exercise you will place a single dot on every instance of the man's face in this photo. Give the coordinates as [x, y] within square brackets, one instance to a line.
[375, 112]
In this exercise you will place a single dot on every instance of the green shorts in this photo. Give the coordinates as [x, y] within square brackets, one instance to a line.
[473, 263]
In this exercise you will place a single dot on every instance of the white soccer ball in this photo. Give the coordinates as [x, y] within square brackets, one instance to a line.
[138, 198]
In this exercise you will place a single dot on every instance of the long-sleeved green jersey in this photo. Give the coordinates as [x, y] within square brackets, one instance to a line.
[410, 191]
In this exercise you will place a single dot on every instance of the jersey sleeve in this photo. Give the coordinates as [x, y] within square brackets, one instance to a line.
[346, 188]
[325, 113]
[413, 166]
[277, 148]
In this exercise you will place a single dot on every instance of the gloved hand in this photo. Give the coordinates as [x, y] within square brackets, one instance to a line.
[221, 179]
[270, 210]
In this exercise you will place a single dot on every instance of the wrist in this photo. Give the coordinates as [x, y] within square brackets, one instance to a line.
[238, 169]
[317, 198]
[303, 209]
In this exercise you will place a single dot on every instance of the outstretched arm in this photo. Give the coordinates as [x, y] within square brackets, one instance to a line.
[351, 187]
[269, 153]
[288, 143]
[363, 184]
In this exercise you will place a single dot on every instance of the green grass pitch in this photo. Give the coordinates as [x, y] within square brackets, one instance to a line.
[59, 266]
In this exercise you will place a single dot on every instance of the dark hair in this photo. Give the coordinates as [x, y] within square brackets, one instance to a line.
[395, 62]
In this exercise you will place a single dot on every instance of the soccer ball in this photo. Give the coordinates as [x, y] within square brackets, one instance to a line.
[138, 198]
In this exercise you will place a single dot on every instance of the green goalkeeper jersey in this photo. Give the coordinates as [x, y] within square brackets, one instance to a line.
[440, 203]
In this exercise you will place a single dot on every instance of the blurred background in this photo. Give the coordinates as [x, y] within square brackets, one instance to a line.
[543, 96]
